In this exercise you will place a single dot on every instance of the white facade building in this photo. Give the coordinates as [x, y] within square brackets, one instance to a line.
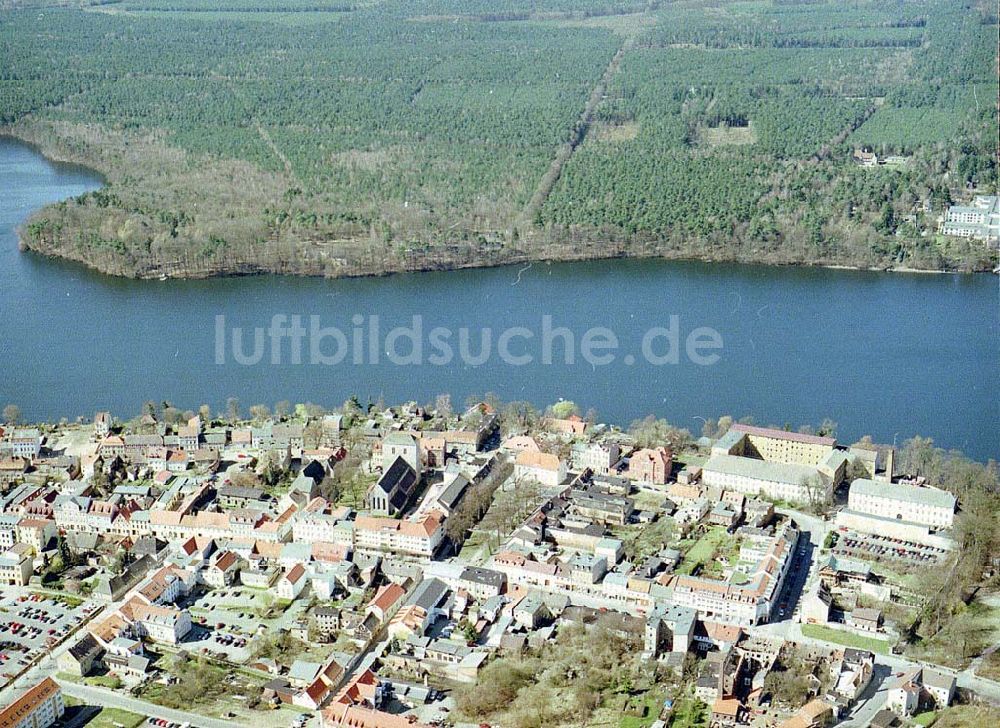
[927, 506]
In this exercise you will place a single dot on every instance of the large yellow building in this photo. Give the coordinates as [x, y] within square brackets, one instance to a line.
[776, 464]
[774, 446]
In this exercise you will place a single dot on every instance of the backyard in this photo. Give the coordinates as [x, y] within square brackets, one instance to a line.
[701, 554]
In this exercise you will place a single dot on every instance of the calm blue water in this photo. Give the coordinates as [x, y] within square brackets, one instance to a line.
[890, 355]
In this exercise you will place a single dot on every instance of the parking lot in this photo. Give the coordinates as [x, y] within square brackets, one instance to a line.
[861, 545]
[226, 620]
[163, 723]
[30, 624]
[220, 642]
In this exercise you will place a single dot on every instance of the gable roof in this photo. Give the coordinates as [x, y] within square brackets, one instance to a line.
[540, 460]
[25, 705]
[295, 573]
[397, 482]
[387, 596]
[902, 492]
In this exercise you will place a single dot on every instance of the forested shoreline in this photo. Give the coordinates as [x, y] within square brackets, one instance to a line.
[482, 134]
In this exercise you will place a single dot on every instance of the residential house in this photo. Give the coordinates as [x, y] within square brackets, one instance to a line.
[544, 468]
[386, 602]
[482, 583]
[903, 696]
[222, 570]
[728, 713]
[291, 583]
[12, 470]
[327, 620]
[81, 657]
[161, 624]
[531, 611]
[599, 458]
[866, 619]
[814, 714]
[235, 496]
[651, 465]
[940, 686]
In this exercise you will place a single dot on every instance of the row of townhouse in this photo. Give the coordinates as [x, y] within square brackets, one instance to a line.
[317, 523]
[192, 438]
[414, 538]
[33, 532]
[582, 574]
[38, 707]
[76, 513]
[320, 521]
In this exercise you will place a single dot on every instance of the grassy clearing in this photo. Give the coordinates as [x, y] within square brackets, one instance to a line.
[104, 681]
[848, 639]
[116, 718]
[690, 457]
[651, 705]
[623, 132]
[202, 687]
[689, 713]
[107, 717]
[645, 540]
[722, 135]
[925, 719]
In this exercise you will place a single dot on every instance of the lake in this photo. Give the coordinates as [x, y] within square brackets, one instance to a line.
[891, 355]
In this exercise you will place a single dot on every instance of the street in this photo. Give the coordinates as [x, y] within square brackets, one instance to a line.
[101, 696]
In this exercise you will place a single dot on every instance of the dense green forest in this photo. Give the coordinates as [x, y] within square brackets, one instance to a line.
[363, 136]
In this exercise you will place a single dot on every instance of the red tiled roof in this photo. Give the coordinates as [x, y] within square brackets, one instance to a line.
[387, 596]
[24, 706]
[295, 573]
[783, 435]
[352, 716]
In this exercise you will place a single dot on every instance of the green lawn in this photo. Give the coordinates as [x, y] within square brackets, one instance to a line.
[702, 549]
[653, 703]
[689, 713]
[104, 681]
[925, 719]
[108, 717]
[848, 639]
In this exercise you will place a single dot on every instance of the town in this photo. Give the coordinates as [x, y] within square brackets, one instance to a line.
[486, 565]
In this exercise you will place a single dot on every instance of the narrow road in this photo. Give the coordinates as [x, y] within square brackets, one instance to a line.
[551, 176]
[107, 698]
